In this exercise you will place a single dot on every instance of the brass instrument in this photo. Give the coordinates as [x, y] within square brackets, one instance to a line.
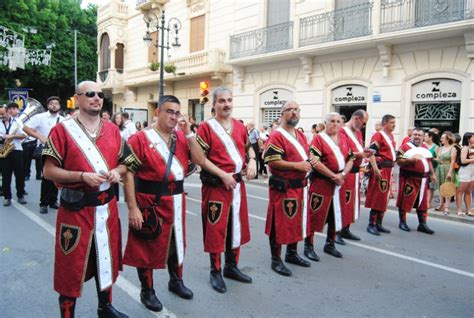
[33, 108]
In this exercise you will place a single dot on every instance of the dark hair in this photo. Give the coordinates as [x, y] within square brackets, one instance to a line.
[106, 112]
[386, 118]
[125, 115]
[457, 138]
[314, 126]
[417, 129]
[50, 98]
[434, 136]
[466, 137]
[145, 124]
[168, 99]
[121, 126]
[360, 113]
[12, 105]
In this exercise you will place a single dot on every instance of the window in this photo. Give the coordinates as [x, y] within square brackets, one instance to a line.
[270, 114]
[278, 11]
[104, 52]
[197, 33]
[119, 57]
[153, 50]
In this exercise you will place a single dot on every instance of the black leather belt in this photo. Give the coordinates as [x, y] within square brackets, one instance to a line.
[76, 200]
[214, 181]
[318, 175]
[386, 164]
[156, 188]
[283, 185]
[413, 174]
[355, 169]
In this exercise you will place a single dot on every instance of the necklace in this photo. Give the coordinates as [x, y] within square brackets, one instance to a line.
[166, 139]
[91, 132]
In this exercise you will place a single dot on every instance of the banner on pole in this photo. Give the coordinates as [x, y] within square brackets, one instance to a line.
[19, 96]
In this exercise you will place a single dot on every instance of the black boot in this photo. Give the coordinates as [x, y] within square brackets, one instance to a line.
[347, 234]
[279, 267]
[292, 256]
[231, 270]
[215, 278]
[106, 310]
[67, 306]
[176, 286]
[379, 225]
[147, 293]
[372, 228]
[339, 239]
[403, 221]
[330, 249]
[423, 227]
[309, 251]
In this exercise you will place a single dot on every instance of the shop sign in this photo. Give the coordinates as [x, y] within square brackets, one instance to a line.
[349, 95]
[436, 90]
[275, 98]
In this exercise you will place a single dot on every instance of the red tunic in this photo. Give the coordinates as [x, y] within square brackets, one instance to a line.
[154, 253]
[351, 186]
[413, 190]
[378, 191]
[76, 231]
[321, 191]
[217, 202]
[288, 209]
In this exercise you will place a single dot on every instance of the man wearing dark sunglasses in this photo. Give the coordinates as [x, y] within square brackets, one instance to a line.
[84, 155]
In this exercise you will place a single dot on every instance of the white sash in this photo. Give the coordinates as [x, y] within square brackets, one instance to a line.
[304, 157]
[389, 142]
[162, 148]
[234, 155]
[423, 180]
[359, 147]
[341, 164]
[96, 161]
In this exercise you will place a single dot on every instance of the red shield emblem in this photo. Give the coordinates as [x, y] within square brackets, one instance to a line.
[214, 211]
[348, 196]
[69, 237]
[316, 201]
[290, 206]
[383, 185]
[408, 189]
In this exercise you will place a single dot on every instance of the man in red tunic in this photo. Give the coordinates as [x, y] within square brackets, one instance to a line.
[224, 200]
[413, 182]
[286, 153]
[326, 194]
[163, 153]
[378, 190]
[351, 207]
[84, 156]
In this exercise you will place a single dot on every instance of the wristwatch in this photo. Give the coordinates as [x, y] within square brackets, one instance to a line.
[343, 174]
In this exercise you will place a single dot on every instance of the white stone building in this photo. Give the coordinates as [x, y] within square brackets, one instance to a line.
[410, 58]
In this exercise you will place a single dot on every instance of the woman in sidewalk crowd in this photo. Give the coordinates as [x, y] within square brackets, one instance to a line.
[445, 169]
[466, 175]
[431, 141]
[118, 120]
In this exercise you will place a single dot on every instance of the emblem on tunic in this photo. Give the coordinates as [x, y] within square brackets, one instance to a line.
[290, 206]
[408, 189]
[316, 201]
[69, 237]
[383, 185]
[348, 196]
[214, 211]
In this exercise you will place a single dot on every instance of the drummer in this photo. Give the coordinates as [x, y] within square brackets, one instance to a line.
[414, 160]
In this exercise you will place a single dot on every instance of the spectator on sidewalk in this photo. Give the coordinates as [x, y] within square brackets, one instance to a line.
[254, 136]
[129, 127]
[431, 140]
[466, 175]
[262, 168]
[445, 169]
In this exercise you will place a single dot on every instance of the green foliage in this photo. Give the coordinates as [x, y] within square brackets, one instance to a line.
[154, 66]
[55, 21]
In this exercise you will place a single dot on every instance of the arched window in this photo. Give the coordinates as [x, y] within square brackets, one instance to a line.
[119, 57]
[104, 52]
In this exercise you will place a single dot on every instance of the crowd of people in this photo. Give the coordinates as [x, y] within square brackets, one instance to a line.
[311, 183]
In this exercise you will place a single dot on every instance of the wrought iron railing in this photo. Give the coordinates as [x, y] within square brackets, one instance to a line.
[103, 75]
[406, 14]
[337, 25]
[270, 39]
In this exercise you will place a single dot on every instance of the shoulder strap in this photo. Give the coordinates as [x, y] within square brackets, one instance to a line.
[164, 184]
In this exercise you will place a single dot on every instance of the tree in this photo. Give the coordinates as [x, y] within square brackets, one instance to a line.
[55, 22]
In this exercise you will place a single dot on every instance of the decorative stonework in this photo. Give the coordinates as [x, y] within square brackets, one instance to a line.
[469, 40]
[240, 75]
[307, 63]
[385, 52]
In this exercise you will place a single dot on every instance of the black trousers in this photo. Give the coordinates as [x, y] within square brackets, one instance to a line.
[13, 165]
[28, 149]
[49, 192]
[256, 150]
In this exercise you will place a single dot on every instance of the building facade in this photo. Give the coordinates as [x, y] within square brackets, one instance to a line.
[410, 58]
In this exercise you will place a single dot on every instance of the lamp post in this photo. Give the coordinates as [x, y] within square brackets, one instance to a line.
[153, 21]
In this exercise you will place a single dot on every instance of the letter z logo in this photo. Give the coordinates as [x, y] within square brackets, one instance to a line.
[435, 86]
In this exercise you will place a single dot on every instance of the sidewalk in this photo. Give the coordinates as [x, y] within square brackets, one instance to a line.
[263, 182]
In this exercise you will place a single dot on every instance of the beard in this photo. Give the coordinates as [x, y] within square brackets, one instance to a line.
[54, 111]
[292, 122]
[91, 112]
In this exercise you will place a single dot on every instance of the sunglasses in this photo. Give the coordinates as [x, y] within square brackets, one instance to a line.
[91, 94]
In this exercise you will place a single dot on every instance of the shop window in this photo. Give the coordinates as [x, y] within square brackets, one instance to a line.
[270, 114]
[153, 50]
[198, 32]
[119, 51]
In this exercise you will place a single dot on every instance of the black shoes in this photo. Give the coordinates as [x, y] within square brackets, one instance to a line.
[372, 229]
[217, 282]
[293, 258]
[7, 202]
[149, 299]
[382, 229]
[22, 200]
[108, 311]
[232, 272]
[27, 178]
[330, 249]
[177, 287]
[404, 226]
[280, 268]
[423, 227]
[339, 239]
[43, 209]
[347, 234]
[54, 205]
[310, 253]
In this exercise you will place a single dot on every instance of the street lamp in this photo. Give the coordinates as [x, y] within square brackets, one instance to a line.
[153, 21]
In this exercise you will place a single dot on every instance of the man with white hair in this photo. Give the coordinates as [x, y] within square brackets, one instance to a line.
[326, 194]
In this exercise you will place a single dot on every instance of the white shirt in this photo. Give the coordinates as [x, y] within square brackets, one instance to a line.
[129, 129]
[44, 122]
[14, 127]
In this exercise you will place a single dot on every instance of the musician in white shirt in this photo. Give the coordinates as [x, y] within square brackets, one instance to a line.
[130, 128]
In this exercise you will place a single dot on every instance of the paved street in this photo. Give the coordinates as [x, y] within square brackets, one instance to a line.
[396, 275]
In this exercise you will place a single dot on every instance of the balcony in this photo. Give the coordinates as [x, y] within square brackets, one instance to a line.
[336, 25]
[146, 5]
[270, 39]
[407, 14]
[113, 9]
